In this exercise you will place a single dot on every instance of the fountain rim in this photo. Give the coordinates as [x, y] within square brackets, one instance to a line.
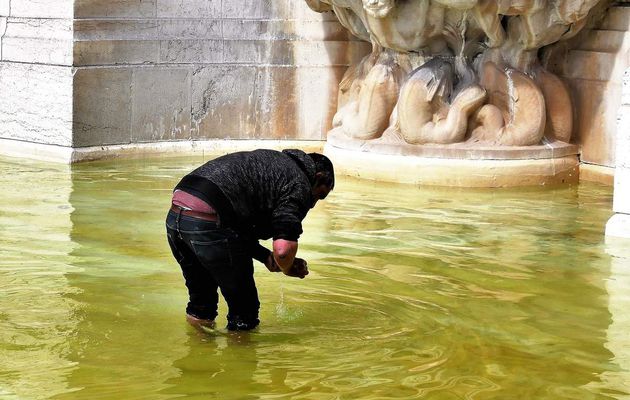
[454, 165]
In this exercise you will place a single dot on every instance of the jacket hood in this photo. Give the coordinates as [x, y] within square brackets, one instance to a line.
[304, 161]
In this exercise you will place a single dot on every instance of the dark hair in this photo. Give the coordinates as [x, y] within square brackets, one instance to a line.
[325, 166]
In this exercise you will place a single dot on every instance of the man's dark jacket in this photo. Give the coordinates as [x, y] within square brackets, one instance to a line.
[260, 193]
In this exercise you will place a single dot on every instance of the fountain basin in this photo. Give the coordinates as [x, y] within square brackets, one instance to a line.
[458, 164]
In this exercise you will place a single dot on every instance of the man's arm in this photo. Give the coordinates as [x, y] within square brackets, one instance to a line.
[284, 252]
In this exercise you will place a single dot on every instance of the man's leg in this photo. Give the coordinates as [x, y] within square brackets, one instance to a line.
[202, 288]
[239, 290]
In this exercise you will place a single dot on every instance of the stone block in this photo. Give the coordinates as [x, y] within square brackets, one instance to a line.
[625, 88]
[621, 202]
[43, 41]
[36, 103]
[3, 28]
[161, 104]
[256, 9]
[114, 8]
[191, 51]
[617, 19]
[317, 53]
[321, 30]
[316, 92]
[112, 52]
[4, 8]
[597, 66]
[276, 52]
[102, 29]
[41, 8]
[277, 109]
[247, 29]
[224, 102]
[596, 104]
[299, 10]
[190, 29]
[102, 106]
[605, 41]
[188, 8]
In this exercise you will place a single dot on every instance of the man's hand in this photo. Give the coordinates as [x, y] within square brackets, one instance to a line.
[298, 269]
[271, 265]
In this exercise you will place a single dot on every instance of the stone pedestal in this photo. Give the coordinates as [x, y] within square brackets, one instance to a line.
[619, 224]
[458, 164]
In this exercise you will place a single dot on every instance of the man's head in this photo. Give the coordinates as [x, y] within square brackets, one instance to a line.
[324, 177]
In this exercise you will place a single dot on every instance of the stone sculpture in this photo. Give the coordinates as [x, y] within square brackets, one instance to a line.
[452, 71]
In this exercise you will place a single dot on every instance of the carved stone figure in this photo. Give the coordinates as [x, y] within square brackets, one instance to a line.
[425, 111]
[507, 99]
[515, 113]
[366, 113]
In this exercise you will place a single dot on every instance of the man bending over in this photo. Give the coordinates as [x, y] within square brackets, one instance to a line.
[219, 212]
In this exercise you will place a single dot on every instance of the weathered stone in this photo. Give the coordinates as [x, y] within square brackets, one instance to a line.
[3, 28]
[277, 52]
[224, 102]
[189, 29]
[291, 52]
[316, 93]
[253, 9]
[605, 41]
[114, 8]
[188, 8]
[250, 29]
[36, 103]
[102, 106]
[111, 52]
[622, 173]
[43, 41]
[247, 29]
[619, 224]
[595, 124]
[318, 53]
[191, 51]
[98, 29]
[299, 10]
[41, 8]
[4, 8]
[617, 19]
[595, 66]
[161, 104]
[453, 172]
[278, 105]
[621, 203]
[322, 30]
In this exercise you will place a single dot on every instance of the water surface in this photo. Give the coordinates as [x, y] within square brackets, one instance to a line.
[413, 293]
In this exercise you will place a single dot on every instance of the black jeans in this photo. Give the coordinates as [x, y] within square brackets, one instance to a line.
[213, 257]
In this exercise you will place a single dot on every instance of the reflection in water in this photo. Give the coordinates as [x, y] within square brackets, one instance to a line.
[413, 293]
[37, 314]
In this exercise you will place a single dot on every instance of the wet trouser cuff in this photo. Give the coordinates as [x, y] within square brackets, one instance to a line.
[201, 312]
[240, 323]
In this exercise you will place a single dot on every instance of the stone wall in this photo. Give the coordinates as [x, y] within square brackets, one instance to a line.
[619, 224]
[161, 70]
[86, 73]
[205, 69]
[594, 69]
[36, 71]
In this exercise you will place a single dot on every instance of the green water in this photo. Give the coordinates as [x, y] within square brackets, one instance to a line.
[413, 293]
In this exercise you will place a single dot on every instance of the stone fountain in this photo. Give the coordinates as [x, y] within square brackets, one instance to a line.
[457, 92]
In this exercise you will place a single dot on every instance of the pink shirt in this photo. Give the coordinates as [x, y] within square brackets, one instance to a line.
[190, 202]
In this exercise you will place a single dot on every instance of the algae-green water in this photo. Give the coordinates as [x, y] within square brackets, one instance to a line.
[414, 293]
